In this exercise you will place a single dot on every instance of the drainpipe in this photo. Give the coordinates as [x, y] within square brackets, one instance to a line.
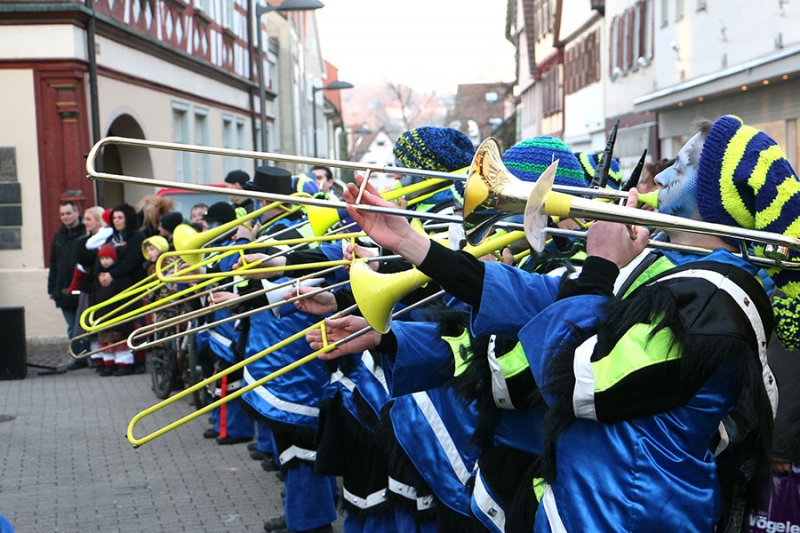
[254, 137]
[94, 103]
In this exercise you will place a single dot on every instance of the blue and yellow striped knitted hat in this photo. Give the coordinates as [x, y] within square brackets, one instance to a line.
[745, 180]
[430, 148]
[529, 158]
[589, 164]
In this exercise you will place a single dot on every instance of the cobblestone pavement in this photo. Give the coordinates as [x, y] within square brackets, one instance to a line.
[66, 466]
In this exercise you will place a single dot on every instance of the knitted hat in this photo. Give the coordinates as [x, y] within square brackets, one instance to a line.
[529, 158]
[107, 216]
[438, 149]
[237, 176]
[156, 240]
[221, 212]
[171, 220]
[589, 164]
[107, 250]
[745, 180]
[273, 180]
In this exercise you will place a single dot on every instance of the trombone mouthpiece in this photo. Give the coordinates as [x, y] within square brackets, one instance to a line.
[649, 198]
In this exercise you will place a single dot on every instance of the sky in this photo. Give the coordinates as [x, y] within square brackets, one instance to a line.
[425, 44]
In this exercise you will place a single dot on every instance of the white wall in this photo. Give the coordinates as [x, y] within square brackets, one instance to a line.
[621, 92]
[22, 276]
[50, 41]
[751, 29]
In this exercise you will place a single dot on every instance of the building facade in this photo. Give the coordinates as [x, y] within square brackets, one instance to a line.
[162, 70]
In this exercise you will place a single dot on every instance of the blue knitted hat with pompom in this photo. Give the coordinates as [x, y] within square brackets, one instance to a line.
[529, 158]
[430, 148]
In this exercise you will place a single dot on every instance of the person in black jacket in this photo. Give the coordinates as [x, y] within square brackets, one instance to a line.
[126, 271]
[63, 256]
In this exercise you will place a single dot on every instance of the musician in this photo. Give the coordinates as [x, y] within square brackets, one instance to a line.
[418, 358]
[290, 403]
[232, 424]
[690, 332]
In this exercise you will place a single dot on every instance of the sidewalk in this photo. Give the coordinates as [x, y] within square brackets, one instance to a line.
[66, 466]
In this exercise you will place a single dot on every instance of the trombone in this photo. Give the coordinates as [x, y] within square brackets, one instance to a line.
[275, 302]
[224, 251]
[327, 347]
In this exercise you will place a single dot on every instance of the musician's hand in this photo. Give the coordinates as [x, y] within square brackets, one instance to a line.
[243, 232]
[221, 296]
[322, 303]
[339, 328]
[782, 469]
[615, 242]
[390, 231]
[360, 251]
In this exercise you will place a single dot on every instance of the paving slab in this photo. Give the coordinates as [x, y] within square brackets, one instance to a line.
[66, 466]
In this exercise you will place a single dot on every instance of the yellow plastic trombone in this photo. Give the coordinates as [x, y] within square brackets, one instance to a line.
[327, 347]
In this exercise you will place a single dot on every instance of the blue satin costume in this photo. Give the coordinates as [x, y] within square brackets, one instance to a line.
[657, 472]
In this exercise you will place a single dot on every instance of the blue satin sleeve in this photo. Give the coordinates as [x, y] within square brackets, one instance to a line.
[423, 360]
[510, 298]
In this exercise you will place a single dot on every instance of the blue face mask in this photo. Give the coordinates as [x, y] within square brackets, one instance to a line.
[678, 184]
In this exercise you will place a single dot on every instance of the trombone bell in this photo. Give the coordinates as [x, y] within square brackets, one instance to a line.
[491, 192]
[377, 294]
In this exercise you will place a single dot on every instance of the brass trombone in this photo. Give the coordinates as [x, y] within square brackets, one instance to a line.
[93, 173]
[327, 347]
[492, 193]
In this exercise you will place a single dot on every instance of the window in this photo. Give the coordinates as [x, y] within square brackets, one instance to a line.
[664, 12]
[544, 18]
[582, 63]
[491, 97]
[631, 39]
[229, 141]
[241, 142]
[678, 9]
[701, 5]
[181, 134]
[551, 92]
[202, 5]
[227, 13]
[202, 137]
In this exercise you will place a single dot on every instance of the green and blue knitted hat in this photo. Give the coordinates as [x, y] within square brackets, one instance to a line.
[589, 164]
[745, 180]
[438, 149]
[529, 158]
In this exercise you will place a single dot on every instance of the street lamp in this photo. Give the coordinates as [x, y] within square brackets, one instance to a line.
[286, 5]
[333, 86]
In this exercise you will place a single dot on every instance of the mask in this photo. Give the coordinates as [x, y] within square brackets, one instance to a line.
[678, 184]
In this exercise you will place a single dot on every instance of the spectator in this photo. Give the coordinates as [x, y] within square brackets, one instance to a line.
[197, 213]
[127, 270]
[63, 257]
[149, 211]
[168, 224]
[117, 359]
[324, 181]
[97, 232]
[238, 180]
